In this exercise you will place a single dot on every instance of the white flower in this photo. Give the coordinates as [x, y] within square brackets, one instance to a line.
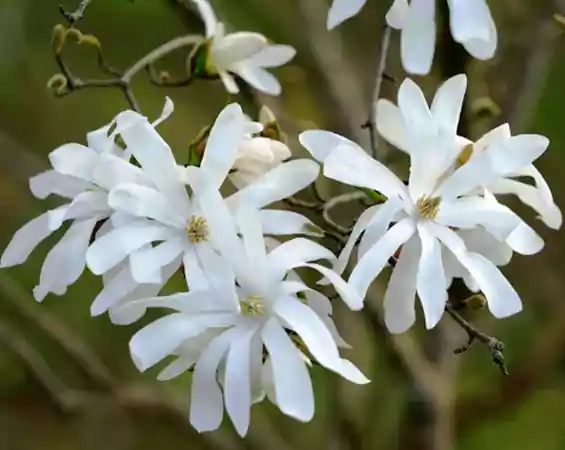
[187, 230]
[470, 21]
[73, 177]
[538, 196]
[436, 200]
[244, 54]
[259, 154]
[224, 331]
[341, 10]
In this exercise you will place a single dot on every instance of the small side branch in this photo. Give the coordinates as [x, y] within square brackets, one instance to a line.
[495, 345]
[76, 16]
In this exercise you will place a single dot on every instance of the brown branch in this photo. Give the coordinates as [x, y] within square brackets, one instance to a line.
[371, 125]
[76, 16]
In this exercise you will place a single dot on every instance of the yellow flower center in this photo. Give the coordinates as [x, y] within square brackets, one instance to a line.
[197, 230]
[252, 306]
[428, 207]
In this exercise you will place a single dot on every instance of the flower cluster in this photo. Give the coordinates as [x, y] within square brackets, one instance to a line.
[246, 324]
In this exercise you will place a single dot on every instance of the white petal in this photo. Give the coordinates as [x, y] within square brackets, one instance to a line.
[281, 222]
[236, 47]
[30, 236]
[194, 305]
[208, 16]
[295, 253]
[277, 184]
[399, 312]
[206, 404]
[51, 182]
[229, 82]
[237, 388]
[292, 384]
[321, 143]
[114, 247]
[177, 367]
[99, 140]
[360, 226]
[469, 20]
[156, 159]
[480, 241]
[141, 201]
[448, 103]
[159, 339]
[225, 137]
[116, 289]
[75, 160]
[431, 280]
[347, 292]
[418, 37]
[273, 56]
[483, 48]
[221, 226]
[112, 170]
[250, 227]
[219, 275]
[539, 198]
[414, 109]
[258, 78]
[88, 204]
[501, 297]
[390, 124]
[342, 10]
[501, 158]
[65, 262]
[195, 277]
[396, 15]
[379, 225]
[146, 264]
[374, 261]
[350, 164]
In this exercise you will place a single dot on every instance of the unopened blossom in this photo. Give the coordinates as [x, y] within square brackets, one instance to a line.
[244, 54]
[260, 153]
[471, 25]
[225, 332]
[75, 177]
[437, 200]
[165, 214]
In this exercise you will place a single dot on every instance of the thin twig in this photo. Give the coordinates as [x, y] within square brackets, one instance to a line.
[74, 17]
[381, 68]
[336, 201]
[122, 82]
[495, 345]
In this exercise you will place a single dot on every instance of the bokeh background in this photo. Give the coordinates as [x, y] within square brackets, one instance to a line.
[66, 380]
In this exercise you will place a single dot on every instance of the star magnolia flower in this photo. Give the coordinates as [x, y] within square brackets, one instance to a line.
[436, 201]
[187, 232]
[392, 126]
[471, 25]
[244, 54]
[224, 332]
[260, 154]
[73, 177]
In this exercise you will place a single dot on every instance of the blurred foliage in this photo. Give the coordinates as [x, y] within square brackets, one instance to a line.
[107, 403]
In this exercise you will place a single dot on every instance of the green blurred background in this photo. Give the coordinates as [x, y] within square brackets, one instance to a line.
[66, 380]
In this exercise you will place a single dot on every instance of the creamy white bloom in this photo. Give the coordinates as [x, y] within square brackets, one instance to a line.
[185, 231]
[244, 54]
[74, 177]
[260, 153]
[437, 200]
[471, 25]
[224, 331]
[393, 127]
